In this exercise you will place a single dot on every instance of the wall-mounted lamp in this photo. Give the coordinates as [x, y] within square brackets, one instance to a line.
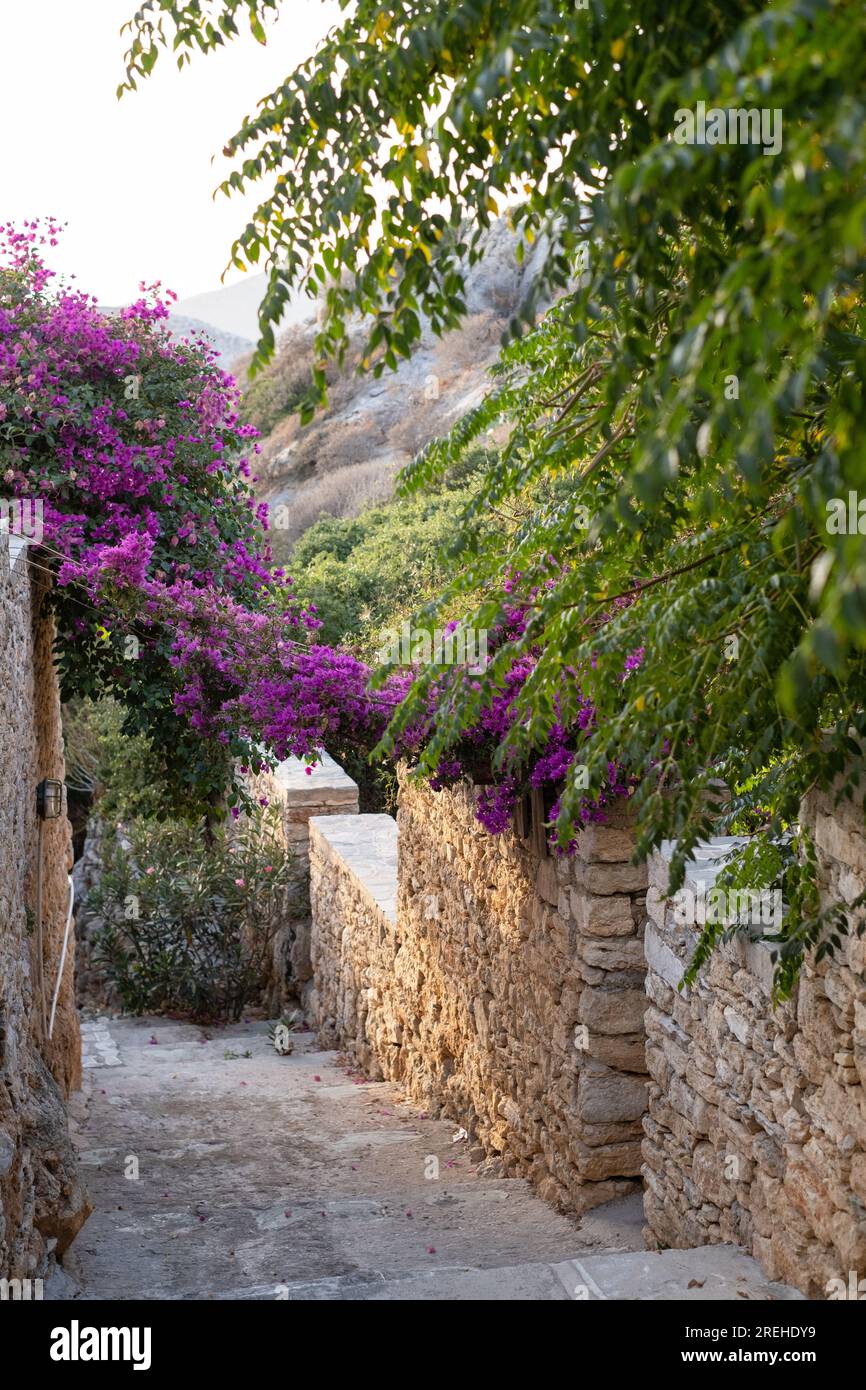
[49, 799]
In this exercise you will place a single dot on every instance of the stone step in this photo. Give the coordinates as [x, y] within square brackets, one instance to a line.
[719, 1273]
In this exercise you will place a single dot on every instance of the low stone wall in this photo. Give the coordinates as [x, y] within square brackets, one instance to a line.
[504, 988]
[301, 793]
[42, 1204]
[353, 885]
[756, 1130]
[92, 989]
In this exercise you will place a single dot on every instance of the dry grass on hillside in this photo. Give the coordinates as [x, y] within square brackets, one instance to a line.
[395, 415]
[345, 492]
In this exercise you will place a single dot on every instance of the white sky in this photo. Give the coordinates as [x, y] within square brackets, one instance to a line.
[133, 178]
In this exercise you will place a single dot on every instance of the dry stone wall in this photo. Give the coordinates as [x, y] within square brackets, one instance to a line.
[42, 1204]
[300, 793]
[527, 997]
[756, 1129]
[501, 987]
[353, 888]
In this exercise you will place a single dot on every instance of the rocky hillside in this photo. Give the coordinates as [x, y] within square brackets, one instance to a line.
[234, 308]
[231, 347]
[350, 454]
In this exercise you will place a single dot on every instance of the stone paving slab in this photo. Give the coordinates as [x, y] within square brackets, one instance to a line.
[716, 1272]
[451, 1284]
[98, 1047]
[720, 1273]
[256, 1170]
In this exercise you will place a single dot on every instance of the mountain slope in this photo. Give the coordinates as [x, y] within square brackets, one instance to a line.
[230, 346]
[234, 309]
[349, 455]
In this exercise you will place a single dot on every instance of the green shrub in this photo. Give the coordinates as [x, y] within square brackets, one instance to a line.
[377, 782]
[368, 573]
[119, 771]
[188, 927]
[276, 392]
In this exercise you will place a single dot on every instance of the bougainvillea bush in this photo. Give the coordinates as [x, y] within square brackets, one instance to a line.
[125, 437]
[163, 592]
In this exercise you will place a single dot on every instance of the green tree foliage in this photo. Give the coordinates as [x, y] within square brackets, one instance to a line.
[276, 393]
[697, 399]
[370, 574]
[366, 575]
[127, 777]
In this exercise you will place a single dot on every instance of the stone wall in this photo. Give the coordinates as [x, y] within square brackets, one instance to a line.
[353, 899]
[301, 793]
[92, 989]
[503, 987]
[42, 1204]
[527, 996]
[756, 1130]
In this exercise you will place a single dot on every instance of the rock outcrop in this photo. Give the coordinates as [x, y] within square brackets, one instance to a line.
[375, 426]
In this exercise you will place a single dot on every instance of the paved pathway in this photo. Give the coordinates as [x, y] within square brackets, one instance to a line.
[219, 1169]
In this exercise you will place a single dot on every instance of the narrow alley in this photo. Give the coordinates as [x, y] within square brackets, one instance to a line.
[220, 1169]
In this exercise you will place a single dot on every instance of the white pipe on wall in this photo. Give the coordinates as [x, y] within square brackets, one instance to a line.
[62, 957]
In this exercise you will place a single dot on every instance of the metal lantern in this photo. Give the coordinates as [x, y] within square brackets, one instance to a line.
[49, 799]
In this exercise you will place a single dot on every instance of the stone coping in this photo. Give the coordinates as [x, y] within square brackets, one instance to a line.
[366, 847]
[327, 778]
